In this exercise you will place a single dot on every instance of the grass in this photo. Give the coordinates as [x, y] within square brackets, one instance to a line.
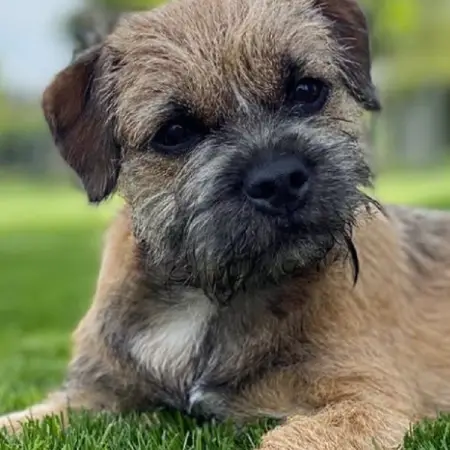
[50, 237]
[164, 432]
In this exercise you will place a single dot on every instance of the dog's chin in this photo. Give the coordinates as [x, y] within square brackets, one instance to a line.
[256, 272]
[226, 250]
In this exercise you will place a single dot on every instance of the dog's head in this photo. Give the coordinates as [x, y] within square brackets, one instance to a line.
[233, 129]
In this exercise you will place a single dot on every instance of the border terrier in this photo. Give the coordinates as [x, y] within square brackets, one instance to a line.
[249, 274]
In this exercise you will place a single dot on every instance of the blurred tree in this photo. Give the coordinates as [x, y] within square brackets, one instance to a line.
[24, 141]
[124, 5]
[86, 27]
[414, 38]
[410, 40]
[409, 26]
[393, 22]
[96, 17]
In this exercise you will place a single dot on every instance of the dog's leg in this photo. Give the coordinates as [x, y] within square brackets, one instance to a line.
[344, 426]
[57, 405]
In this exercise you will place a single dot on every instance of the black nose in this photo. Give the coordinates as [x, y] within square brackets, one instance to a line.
[278, 186]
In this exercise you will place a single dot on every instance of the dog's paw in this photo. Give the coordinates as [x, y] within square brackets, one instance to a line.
[278, 439]
[15, 421]
[12, 423]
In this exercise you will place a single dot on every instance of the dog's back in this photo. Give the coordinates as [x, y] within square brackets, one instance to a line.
[425, 236]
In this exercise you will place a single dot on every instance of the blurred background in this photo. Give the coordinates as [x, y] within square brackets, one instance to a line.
[50, 237]
[411, 70]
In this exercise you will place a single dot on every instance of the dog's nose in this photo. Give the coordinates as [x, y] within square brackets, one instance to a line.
[278, 186]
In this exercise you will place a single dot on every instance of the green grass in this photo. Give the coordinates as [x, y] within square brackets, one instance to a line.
[50, 242]
[162, 432]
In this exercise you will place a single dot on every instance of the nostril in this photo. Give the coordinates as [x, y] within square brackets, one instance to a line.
[277, 186]
[297, 179]
[262, 190]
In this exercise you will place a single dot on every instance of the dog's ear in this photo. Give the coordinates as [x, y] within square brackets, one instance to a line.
[76, 110]
[350, 29]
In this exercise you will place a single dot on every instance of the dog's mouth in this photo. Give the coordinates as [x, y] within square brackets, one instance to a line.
[235, 255]
[225, 250]
[228, 246]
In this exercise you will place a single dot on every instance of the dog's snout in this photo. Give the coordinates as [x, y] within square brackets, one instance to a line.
[277, 186]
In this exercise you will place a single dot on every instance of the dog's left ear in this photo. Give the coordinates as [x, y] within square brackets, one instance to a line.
[350, 29]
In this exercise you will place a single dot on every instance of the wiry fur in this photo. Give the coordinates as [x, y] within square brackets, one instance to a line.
[224, 246]
[209, 306]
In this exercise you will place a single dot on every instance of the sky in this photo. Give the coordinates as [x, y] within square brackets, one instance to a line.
[32, 46]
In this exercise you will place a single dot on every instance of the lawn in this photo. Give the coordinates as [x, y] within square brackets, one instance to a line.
[49, 253]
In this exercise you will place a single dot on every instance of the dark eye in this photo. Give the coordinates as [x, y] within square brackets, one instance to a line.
[310, 95]
[176, 137]
[173, 134]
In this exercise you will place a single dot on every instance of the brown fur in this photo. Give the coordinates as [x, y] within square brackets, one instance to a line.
[346, 366]
[370, 360]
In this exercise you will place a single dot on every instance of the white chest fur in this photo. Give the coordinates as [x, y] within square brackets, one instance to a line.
[173, 335]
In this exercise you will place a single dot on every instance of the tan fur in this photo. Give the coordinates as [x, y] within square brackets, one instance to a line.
[383, 359]
[345, 366]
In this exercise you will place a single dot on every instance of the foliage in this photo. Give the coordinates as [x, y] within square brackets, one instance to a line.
[123, 5]
[24, 139]
[410, 28]
[392, 22]
[18, 115]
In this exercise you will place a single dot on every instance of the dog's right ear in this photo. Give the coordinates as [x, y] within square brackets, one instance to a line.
[77, 111]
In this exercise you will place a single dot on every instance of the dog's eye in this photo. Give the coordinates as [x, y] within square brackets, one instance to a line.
[310, 95]
[175, 137]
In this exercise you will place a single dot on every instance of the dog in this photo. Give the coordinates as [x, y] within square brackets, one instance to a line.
[249, 273]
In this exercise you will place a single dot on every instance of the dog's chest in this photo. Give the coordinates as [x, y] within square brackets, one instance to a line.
[170, 349]
[173, 336]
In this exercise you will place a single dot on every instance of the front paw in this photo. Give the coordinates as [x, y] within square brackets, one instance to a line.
[15, 421]
[12, 423]
[284, 439]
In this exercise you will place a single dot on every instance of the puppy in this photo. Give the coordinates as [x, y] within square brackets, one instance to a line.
[249, 274]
